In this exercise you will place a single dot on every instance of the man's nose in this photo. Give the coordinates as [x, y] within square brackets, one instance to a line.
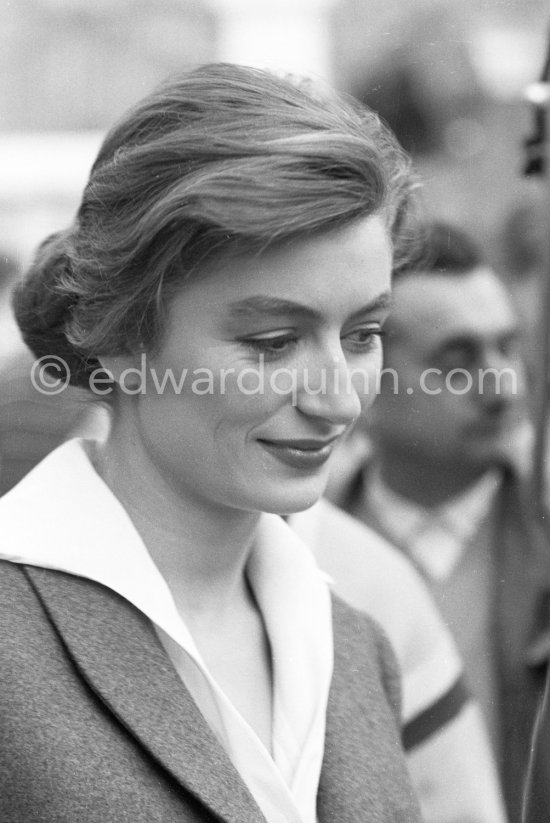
[500, 379]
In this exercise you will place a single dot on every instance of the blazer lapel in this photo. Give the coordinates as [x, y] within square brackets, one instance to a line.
[364, 776]
[116, 650]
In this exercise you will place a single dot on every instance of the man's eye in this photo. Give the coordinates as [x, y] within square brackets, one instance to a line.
[459, 357]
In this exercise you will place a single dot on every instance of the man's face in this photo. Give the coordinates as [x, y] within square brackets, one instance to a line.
[453, 345]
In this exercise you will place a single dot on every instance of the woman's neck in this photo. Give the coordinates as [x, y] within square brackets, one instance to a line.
[201, 549]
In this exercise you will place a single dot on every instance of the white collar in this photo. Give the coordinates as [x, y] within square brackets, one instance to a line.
[63, 516]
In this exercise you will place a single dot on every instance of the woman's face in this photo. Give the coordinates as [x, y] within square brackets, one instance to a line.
[265, 362]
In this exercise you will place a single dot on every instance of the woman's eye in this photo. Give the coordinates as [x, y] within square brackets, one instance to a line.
[271, 346]
[364, 339]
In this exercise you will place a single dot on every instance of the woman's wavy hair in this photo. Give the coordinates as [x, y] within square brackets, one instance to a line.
[221, 160]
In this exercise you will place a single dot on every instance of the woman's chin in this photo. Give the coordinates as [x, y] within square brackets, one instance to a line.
[290, 501]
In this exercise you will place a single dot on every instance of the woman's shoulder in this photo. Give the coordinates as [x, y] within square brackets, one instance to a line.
[24, 626]
[377, 579]
[13, 584]
[58, 499]
[363, 731]
[364, 656]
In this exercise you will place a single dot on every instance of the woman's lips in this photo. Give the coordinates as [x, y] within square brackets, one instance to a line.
[300, 454]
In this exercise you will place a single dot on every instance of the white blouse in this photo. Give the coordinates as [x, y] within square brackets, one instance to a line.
[63, 516]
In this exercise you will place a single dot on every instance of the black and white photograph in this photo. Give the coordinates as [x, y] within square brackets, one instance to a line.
[274, 411]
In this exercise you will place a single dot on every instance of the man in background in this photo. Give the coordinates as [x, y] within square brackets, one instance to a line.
[441, 481]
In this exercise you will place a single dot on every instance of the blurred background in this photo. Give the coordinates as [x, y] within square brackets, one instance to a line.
[449, 78]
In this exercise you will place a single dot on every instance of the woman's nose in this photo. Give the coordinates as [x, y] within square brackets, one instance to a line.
[327, 390]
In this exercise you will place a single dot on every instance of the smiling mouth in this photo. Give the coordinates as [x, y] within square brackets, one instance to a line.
[301, 454]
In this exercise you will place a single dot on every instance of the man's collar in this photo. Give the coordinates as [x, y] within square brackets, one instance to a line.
[436, 538]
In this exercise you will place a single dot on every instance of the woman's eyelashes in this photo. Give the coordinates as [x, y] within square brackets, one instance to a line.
[364, 339]
[274, 346]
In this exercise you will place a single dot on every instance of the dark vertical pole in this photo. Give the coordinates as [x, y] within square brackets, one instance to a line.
[537, 163]
[536, 789]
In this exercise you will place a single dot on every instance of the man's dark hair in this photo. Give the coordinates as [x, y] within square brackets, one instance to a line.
[442, 248]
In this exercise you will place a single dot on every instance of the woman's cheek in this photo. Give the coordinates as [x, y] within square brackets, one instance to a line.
[366, 379]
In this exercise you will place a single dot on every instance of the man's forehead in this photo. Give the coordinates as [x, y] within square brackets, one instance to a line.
[429, 308]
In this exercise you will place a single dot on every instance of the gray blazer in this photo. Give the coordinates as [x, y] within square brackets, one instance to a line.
[96, 727]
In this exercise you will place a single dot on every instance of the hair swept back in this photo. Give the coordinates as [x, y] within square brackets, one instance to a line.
[223, 159]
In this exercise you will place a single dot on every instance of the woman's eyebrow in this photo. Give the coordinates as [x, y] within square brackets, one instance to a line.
[382, 302]
[252, 307]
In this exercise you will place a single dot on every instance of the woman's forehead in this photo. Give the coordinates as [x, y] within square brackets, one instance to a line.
[352, 261]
